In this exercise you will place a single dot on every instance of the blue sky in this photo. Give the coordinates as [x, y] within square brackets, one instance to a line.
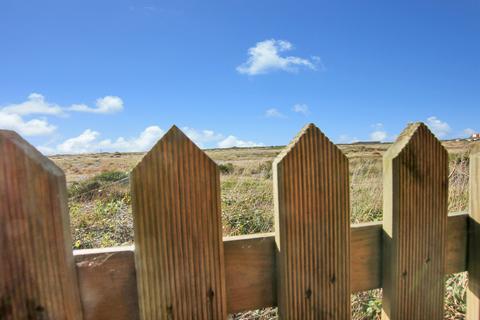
[83, 76]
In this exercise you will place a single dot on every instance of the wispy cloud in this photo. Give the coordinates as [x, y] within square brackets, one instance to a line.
[33, 127]
[468, 132]
[232, 141]
[440, 128]
[379, 133]
[301, 108]
[23, 117]
[35, 104]
[266, 56]
[345, 138]
[274, 113]
[81, 144]
[12, 116]
[89, 141]
[105, 105]
[202, 137]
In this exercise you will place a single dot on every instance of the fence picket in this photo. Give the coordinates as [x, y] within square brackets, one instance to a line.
[37, 271]
[473, 292]
[178, 235]
[312, 228]
[307, 267]
[414, 225]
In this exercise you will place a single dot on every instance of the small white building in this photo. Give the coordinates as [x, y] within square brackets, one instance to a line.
[476, 136]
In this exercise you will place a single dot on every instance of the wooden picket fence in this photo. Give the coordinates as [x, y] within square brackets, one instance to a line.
[182, 268]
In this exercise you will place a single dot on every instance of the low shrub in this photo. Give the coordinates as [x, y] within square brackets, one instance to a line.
[226, 168]
[87, 187]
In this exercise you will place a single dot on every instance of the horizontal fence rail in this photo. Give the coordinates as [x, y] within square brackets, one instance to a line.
[108, 284]
[181, 268]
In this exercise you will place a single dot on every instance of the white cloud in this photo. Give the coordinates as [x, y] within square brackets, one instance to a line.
[105, 105]
[468, 132]
[89, 141]
[35, 104]
[232, 141]
[204, 137]
[81, 144]
[12, 116]
[345, 138]
[34, 127]
[265, 57]
[379, 133]
[274, 113]
[143, 142]
[201, 137]
[438, 127]
[301, 108]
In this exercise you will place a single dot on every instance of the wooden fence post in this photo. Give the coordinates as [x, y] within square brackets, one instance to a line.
[473, 267]
[37, 271]
[178, 234]
[312, 223]
[414, 224]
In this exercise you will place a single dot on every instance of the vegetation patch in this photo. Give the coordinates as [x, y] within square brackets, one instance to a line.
[101, 211]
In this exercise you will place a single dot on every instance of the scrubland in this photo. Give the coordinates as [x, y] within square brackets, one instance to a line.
[99, 201]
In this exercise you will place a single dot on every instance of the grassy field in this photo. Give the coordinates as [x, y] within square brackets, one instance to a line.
[99, 201]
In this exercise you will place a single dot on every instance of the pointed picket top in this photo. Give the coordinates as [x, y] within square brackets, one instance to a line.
[416, 130]
[403, 139]
[37, 274]
[294, 141]
[312, 226]
[178, 232]
[308, 130]
[173, 135]
[30, 152]
[414, 222]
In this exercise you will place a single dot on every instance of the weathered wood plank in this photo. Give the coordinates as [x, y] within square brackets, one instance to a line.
[37, 275]
[178, 233]
[312, 223]
[366, 256]
[473, 292]
[415, 226]
[108, 286]
[250, 272]
[366, 252]
[252, 255]
[457, 240]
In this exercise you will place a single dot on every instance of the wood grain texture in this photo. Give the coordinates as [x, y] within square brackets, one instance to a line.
[312, 217]
[250, 272]
[473, 292]
[108, 286]
[249, 269]
[415, 224]
[457, 241]
[178, 234]
[366, 256]
[37, 272]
